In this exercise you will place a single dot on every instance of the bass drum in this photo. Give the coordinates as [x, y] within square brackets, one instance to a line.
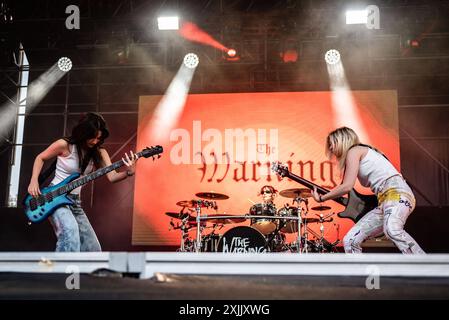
[242, 240]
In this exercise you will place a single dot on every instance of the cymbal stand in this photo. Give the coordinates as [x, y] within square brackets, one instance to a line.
[198, 226]
[198, 205]
[321, 244]
[321, 238]
[184, 233]
[298, 200]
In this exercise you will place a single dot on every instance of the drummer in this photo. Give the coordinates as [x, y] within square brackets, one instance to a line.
[266, 208]
[268, 194]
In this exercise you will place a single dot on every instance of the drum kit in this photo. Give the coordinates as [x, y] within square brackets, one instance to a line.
[267, 231]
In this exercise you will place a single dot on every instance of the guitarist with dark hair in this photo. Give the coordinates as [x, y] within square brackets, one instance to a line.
[372, 168]
[79, 153]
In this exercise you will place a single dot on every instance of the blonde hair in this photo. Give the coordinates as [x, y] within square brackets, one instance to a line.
[338, 143]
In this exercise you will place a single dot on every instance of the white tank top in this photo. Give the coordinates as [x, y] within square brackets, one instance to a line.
[374, 170]
[65, 166]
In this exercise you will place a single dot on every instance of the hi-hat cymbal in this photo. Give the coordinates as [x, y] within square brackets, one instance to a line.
[321, 208]
[229, 219]
[297, 192]
[212, 196]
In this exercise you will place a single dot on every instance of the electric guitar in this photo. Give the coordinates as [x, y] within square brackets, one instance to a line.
[53, 197]
[357, 205]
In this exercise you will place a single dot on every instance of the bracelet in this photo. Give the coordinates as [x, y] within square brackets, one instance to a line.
[129, 174]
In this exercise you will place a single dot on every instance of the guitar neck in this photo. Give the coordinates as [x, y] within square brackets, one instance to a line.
[311, 185]
[92, 176]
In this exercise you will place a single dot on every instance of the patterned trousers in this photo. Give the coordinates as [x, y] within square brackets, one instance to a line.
[396, 202]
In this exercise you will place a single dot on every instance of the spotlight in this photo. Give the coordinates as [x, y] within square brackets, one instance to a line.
[168, 23]
[232, 53]
[332, 56]
[64, 64]
[356, 17]
[191, 60]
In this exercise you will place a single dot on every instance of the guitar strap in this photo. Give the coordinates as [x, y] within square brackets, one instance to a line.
[44, 175]
[368, 146]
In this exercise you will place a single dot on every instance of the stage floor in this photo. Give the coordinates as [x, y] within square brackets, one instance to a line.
[212, 276]
[192, 287]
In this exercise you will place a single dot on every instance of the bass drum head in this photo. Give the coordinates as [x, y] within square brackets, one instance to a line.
[242, 240]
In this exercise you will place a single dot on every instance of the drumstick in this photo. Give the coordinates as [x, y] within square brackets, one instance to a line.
[251, 201]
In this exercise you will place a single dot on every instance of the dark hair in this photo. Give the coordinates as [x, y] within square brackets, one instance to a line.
[272, 189]
[87, 128]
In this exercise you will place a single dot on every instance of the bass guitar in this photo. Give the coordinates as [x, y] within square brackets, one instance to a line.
[357, 204]
[51, 198]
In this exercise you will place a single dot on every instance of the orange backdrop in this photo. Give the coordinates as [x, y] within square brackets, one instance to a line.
[299, 120]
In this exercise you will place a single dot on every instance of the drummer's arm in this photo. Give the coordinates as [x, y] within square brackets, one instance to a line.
[351, 170]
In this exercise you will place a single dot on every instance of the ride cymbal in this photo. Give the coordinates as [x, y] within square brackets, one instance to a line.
[296, 192]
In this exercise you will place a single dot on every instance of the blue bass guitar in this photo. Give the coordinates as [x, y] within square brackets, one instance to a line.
[38, 209]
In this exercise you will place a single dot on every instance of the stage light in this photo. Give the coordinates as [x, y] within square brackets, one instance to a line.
[232, 53]
[332, 56]
[356, 17]
[191, 60]
[64, 64]
[168, 23]
[413, 43]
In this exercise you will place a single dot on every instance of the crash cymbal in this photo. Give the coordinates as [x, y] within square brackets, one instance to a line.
[321, 208]
[212, 196]
[178, 215]
[297, 192]
[211, 218]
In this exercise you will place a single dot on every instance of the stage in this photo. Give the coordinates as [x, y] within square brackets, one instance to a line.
[212, 276]
[224, 150]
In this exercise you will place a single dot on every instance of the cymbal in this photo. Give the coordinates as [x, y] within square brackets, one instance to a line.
[212, 196]
[321, 208]
[296, 192]
[178, 215]
[229, 219]
[186, 203]
[195, 203]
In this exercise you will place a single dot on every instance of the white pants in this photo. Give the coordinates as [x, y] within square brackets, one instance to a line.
[396, 203]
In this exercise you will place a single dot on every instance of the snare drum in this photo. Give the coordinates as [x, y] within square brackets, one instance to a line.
[265, 226]
[242, 240]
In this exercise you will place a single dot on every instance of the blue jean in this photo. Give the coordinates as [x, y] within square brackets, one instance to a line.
[73, 230]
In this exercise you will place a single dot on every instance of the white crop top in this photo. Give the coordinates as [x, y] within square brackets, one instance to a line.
[375, 169]
[65, 166]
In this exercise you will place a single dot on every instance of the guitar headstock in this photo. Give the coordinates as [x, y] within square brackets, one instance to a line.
[151, 152]
[280, 169]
